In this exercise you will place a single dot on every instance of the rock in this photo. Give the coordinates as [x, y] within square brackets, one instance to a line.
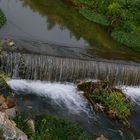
[10, 131]
[3, 107]
[10, 103]
[31, 124]
[11, 43]
[2, 99]
[102, 137]
[11, 112]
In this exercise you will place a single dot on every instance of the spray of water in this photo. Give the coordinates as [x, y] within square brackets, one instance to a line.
[66, 94]
[133, 92]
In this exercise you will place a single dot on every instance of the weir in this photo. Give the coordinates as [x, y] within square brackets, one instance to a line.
[52, 68]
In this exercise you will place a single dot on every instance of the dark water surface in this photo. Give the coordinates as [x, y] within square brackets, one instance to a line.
[57, 22]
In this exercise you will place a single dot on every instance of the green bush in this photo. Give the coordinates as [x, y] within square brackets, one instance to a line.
[51, 128]
[2, 19]
[118, 14]
[127, 39]
[92, 16]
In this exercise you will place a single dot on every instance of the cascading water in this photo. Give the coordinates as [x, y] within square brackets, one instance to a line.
[42, 67]
[133, 92]
[66, 101]
[61, 94]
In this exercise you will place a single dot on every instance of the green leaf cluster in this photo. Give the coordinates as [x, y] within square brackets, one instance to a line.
[92, 16]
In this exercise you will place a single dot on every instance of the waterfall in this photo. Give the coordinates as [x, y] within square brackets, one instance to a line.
[62, 94]
[51, 68]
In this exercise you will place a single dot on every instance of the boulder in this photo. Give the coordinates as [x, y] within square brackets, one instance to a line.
[2, 99]
[31, 124]
[9, 129]
[102, 137]
[11, 112]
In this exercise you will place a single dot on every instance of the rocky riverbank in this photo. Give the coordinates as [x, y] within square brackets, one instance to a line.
[8, 109]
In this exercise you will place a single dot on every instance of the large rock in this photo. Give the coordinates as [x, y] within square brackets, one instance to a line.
[102, 137]
[11, 112]
[9, 129]
[2, 99]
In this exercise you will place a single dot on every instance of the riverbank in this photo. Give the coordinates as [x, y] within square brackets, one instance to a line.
[122, 23]
[17, 125]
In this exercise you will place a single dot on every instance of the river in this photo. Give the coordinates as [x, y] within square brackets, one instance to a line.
[55, 48]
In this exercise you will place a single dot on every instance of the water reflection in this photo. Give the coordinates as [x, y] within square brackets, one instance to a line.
[60, 23]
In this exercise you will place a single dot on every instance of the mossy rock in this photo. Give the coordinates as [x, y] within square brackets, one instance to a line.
[2, 19]
[92, 16]
[107, 98]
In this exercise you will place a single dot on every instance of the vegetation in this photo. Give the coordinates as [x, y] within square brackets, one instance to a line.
[96, 36]
[127, 39]
[121, 14]
[1, 135]
[2, 19]
[51, 128]
[106, 98]
[92, 16]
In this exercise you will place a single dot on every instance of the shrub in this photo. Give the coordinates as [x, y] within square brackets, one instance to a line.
[2, 19]
[127, 39]
[92, 16]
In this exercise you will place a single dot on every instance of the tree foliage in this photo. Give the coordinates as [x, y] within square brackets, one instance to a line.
[122, 14]
[2, 19]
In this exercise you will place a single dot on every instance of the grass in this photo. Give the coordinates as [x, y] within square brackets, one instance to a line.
[51, 128]
[2, 19]
[115, 103]
[92, 16]
[112, 100]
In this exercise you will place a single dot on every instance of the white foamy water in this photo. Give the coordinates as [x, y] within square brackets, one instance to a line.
[60, 93]
[133, 92]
